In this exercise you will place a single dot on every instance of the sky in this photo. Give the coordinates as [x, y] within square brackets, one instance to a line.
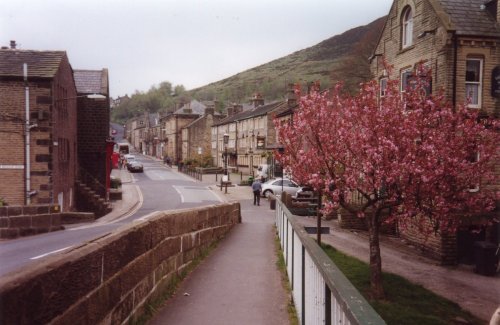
[186, 42]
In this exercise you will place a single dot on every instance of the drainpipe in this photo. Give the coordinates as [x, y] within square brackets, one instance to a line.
[27, 135]
[455, 64]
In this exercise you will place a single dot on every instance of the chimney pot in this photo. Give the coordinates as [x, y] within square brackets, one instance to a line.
[13, 44]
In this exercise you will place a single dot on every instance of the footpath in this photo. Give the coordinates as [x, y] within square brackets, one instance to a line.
[239, 282]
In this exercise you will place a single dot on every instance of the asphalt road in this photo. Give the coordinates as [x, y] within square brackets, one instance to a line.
[160, 188]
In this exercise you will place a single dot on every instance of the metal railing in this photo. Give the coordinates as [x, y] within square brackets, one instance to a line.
[321, 293]
[192, 172]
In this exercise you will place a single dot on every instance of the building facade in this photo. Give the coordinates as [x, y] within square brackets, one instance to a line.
[458, 40]
[93, 126]
[251, 132]
[38, 123]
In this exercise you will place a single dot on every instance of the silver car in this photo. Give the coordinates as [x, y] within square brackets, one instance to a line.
[275, 186]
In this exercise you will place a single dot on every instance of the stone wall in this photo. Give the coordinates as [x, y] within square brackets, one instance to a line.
[110, 280]
[18, 221]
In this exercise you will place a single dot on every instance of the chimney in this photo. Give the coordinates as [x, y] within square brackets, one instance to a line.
[492, 8]
[257, 100]
[13, 45]
[237, 108]
[230, 111]
[210, 110]
[291, 98]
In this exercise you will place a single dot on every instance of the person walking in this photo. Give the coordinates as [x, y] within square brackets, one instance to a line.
[256, 188]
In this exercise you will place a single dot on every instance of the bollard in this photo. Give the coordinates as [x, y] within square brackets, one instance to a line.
[216, 176]
[226, 187]
[221, 184]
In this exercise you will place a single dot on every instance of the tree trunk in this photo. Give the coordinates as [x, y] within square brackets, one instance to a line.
[377, 290]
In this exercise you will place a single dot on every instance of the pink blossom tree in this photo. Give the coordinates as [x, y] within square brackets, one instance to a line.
[404, 157]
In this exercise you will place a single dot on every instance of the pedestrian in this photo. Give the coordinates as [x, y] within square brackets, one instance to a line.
[256, 188]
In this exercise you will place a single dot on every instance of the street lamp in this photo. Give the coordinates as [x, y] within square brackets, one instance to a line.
[226, 140]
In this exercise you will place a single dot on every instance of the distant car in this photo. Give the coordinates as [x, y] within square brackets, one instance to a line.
[275, 186]
[135, 167]
[113, 131]
[128, 159]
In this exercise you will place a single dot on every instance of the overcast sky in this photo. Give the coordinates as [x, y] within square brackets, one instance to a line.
[188, 42]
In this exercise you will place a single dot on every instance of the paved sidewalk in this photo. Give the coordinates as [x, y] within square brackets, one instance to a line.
[239, 283]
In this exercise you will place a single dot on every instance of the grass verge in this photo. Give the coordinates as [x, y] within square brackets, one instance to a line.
[406, 303]
[280, 264]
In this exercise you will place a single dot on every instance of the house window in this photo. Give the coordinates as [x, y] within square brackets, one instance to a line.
[383, 87]
[405, 79]
[407, 27]
[473, 77]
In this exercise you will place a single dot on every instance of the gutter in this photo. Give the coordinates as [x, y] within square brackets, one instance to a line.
[455, 64]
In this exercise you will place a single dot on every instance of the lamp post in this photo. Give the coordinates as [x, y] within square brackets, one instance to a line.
[226, 140]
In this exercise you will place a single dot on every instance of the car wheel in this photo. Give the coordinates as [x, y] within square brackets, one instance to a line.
[267, 192]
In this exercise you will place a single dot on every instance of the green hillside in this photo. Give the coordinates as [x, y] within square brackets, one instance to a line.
[342, 57]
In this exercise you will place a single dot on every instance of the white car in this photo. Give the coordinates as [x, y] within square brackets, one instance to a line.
[275, 186]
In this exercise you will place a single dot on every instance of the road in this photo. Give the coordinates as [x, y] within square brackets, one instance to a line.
[160, 189]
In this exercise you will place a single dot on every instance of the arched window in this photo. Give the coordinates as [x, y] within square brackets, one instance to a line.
[407, 27]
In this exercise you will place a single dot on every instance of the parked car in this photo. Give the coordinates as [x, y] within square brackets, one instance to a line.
[128, 159]
[135, 166]
[275, 186]
[305, 191]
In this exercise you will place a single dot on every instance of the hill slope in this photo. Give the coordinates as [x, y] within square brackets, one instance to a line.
[342, 57]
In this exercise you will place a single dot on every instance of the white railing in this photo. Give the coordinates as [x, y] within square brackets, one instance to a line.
[321, 293]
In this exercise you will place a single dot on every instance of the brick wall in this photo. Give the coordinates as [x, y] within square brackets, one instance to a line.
[64, 155]
[442, 247]
[12, 144]
[111, 280]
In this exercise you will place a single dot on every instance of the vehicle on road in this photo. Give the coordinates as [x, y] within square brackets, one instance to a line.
[135, 167]
[275, 186]
[128, 159]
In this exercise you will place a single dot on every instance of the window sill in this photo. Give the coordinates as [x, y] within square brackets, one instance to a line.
[406, 49]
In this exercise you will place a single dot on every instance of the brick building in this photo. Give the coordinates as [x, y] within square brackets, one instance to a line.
[93, 126]
[459, 40]
[43, 169]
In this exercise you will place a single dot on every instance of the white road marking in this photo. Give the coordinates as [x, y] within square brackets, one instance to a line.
[190, 194]
[50, 253]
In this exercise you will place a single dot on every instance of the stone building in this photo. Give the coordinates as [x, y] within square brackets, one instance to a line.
[38, 136]
[172, 124]
[459, 41]
[251, 130]
[196, 136]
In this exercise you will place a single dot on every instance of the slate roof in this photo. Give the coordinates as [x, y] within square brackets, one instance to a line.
[246, 114]
[91, 81]
[470, 19]
[42, 64]
[195, 106]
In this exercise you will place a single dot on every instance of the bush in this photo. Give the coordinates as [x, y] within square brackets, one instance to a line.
[115, 182]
